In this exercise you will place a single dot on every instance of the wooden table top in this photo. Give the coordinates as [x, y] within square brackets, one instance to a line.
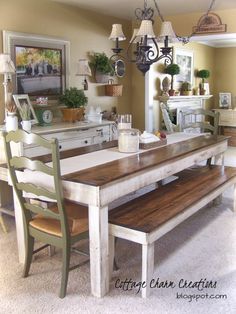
[106, 173]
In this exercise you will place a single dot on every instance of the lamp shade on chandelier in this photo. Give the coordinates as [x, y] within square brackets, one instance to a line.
[147, 51]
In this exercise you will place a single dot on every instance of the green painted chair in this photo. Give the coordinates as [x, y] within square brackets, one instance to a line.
[61, 225]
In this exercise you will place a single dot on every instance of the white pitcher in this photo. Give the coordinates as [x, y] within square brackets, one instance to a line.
[26, 125]
[11, 123]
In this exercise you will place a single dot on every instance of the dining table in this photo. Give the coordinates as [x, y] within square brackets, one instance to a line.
[99, 174]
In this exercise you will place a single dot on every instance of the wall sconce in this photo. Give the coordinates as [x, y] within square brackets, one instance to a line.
[84, 70]
[7, 68]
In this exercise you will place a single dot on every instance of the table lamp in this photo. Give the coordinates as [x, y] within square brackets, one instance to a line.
[7, 68]
[84, 70]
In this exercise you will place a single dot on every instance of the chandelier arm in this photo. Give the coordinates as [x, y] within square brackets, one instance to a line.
[158, 11]
[184, 39]
[129, 53]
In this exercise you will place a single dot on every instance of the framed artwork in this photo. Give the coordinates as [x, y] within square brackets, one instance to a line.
[184, 58]
[225, 100]
[23, 103]
[42, 63]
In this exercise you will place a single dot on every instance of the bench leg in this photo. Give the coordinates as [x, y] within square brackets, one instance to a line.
[111, 255]
[147, 267]
[4, 228]
[219, 160]
[234, 198]
[51, 250]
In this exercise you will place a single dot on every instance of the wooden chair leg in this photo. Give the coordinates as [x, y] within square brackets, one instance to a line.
[28, 255]
[4, 228]
[65, 270]
[147, 267]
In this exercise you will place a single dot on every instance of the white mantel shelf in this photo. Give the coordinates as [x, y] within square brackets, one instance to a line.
[181, 103]
[183, 98]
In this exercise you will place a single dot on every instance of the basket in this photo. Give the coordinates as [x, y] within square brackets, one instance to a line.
[162, 142]
[113, 89]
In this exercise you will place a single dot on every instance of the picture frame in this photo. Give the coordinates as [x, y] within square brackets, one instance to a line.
[225, 100]
[206, 88]
[42, 64]
[24, 99]
[184, 59]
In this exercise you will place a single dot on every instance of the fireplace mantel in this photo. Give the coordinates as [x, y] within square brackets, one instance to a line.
[176, 102]
[180, 103]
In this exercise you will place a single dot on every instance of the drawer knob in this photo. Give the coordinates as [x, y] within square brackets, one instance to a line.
[60, 147]
[86, 142]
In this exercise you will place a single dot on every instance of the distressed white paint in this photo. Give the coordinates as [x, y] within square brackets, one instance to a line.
[147, 240]
[147, 267]
[98, 245]
[98, 199]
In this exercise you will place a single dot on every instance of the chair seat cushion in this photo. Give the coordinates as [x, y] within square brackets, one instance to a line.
[77, 216]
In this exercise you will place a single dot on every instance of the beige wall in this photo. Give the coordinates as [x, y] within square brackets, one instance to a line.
[225, 73]
[204, 58]
[86, 32]
[89, 31]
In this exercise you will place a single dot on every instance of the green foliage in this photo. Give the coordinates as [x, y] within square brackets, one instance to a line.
[73, 98]
[172, 69]
[186, 86]
[203, 74]
[101, 63]
[25, 112]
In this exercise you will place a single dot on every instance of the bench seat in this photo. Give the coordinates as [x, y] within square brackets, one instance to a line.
[147, 218]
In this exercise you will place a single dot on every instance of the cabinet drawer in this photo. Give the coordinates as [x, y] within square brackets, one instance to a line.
[69, 144]
[101, 139]
[227, 117]
[32, 151]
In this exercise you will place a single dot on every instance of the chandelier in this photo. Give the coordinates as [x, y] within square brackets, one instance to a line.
[147, 51]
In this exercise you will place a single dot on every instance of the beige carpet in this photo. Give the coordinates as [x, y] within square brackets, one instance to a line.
[204, 246]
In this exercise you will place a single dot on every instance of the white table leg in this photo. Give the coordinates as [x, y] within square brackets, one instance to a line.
[98, 243]
[111, 255]
[19, 229]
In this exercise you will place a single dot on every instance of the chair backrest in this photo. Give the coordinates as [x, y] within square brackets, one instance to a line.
[171, 127]
[20, 165]
[198, 118]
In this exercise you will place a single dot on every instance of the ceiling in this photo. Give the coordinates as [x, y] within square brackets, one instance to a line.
[125, 8]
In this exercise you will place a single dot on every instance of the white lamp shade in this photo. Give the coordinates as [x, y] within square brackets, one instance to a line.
[117, 32]
[146, 29]
[6, 64]
[83, 68]
[135, 39]
[167, 30]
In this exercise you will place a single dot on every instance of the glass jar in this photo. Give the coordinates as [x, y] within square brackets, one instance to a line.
[124, 121]
[128, 140]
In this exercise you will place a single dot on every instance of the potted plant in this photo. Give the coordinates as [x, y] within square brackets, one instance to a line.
[75, 100]
[186, 89]
[25, 114]
[102, 67]
[172, 69]
[203, 74]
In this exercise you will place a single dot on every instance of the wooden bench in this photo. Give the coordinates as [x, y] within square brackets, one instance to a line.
[147, 218]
